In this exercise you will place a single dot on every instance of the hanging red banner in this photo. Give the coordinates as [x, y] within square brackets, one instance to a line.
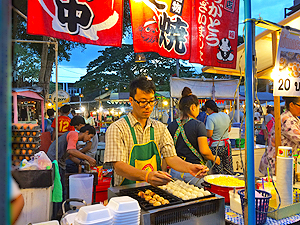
[89, 22]
[215, 34]
[161, 26]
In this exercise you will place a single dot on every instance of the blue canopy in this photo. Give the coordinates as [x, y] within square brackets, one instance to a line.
[263, 96]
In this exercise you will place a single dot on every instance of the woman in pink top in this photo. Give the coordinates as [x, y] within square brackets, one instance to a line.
[290, 133]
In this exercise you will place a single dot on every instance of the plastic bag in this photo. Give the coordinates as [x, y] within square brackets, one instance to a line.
[28, 165]
[42, 160]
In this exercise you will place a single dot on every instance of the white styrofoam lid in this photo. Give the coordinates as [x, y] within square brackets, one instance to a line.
[93, 213]
[123, 204]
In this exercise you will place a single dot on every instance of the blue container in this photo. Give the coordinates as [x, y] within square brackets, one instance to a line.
[261, 205]
[232, 142]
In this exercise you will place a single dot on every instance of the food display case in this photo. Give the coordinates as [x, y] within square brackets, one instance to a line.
[205, 210]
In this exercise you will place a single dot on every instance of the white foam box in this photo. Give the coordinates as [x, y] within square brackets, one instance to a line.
[285, 211]
[52, 222]
[234, 133]
[235, 202]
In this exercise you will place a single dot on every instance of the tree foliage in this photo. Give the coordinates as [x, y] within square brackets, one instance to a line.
[116, 67]
[31, 54]
[26, 66]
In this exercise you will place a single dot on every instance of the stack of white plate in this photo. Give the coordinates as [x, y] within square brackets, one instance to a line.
[125, 210]
[94, 214]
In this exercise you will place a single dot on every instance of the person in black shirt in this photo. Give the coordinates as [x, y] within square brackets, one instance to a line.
[189, 136]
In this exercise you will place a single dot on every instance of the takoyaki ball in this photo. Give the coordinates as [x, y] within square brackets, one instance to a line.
[156, 203]
[193, 196]
[185, 197]
[164, 187]
[183, 191]
[152, 201]
[200, 194]
[165, 202]
[180, 195]
[206, 193]
[189, 190]
[141, 194]
[176, 193]
[160, 199]
[155, 196]
[148, 198]
[171, 191]
[148, 192]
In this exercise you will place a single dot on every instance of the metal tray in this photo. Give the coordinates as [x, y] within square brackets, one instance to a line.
[220, 175]
[133, 192]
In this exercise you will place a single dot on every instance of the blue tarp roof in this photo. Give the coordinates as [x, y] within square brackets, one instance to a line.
[263, 96]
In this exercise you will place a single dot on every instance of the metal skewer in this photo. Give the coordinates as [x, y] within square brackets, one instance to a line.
[194, 176]
[166, 175]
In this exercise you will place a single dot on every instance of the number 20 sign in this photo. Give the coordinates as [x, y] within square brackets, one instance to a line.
[286, 87]
[287, 75]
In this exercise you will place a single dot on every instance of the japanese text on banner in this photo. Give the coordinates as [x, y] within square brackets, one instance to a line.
[162, 27]
[215, 38]
[89, 22]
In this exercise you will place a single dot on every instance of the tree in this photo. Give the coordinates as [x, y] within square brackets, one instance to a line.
[26, 67]
[42, 53]
[116, 67]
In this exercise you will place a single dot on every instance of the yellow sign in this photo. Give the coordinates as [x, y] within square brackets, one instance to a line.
[63, 97]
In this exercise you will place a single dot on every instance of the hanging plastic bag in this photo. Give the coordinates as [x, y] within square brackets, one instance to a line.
[42, 160]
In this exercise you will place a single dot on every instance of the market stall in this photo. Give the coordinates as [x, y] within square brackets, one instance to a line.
[26, 95]
[266, 46]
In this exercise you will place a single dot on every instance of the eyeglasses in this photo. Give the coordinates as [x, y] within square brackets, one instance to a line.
[145, 103]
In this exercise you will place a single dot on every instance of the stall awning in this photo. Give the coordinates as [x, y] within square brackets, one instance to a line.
[224, 89]
[266, 48]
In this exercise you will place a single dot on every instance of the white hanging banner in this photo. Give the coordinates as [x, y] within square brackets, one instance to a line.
[286, 73]
[203, 89]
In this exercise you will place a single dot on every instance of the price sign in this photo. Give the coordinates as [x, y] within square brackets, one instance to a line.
[287, 68]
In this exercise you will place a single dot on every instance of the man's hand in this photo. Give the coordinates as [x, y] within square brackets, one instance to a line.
[199, 170]
[157, 178]
[218, 161]
[91, 161]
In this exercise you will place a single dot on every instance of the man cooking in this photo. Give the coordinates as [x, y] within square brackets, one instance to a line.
[135, 143]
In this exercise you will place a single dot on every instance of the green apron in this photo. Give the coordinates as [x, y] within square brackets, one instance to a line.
[143, 156]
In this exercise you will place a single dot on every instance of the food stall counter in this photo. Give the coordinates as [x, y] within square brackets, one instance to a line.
[209, 210]
[233, 218]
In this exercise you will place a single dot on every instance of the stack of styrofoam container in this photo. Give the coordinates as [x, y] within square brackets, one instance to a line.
[125, 210]
[93, 214]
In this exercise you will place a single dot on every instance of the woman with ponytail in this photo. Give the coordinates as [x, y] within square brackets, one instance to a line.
[189, 135]
[218, 126]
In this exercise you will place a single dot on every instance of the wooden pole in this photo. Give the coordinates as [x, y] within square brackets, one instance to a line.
[277, 126]
[276, 102]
